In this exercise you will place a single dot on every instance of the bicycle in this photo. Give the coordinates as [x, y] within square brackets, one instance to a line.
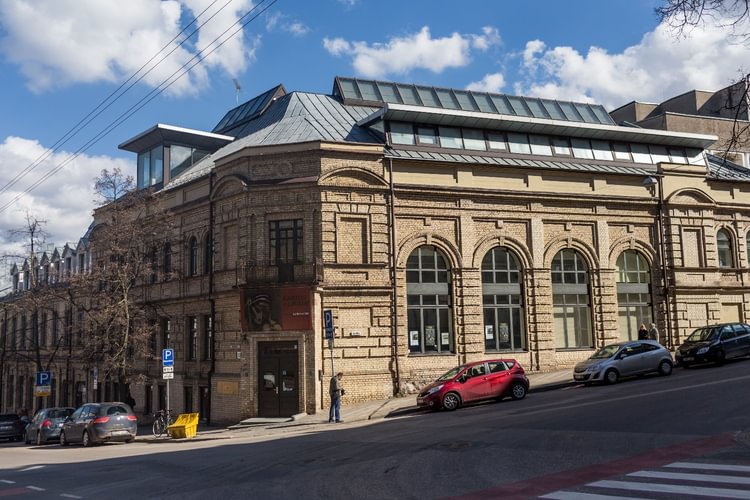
[162, 420]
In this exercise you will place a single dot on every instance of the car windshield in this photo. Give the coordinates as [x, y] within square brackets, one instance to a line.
[702, 334]
[450, 374]
[59, 413]
[606, 352]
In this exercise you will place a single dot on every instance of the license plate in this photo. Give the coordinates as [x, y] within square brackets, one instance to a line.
[578, 377]
[6, 428]
[120, 433]
[688, 358]
[420, 401]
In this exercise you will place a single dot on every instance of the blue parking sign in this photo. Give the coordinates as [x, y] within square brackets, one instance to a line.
[167, 357]
[43, 378]
[328, 320]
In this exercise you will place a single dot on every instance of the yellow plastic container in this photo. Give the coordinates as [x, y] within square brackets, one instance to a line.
[186, 426]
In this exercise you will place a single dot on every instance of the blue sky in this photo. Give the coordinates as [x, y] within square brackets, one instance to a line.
[60, 58]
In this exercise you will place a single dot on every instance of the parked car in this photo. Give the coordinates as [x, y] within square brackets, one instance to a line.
[11, 427]
[46, 425]
[714, 343]
[480, 380]
[98, 423]
[624, 359]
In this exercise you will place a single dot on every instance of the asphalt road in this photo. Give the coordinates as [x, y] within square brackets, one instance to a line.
[553, 443]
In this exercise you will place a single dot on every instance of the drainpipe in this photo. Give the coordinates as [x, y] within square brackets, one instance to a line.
[211, 299]
[663, 261]
[394, 290]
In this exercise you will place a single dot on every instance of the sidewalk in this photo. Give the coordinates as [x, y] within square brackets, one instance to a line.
[356, 412]
[397, 406]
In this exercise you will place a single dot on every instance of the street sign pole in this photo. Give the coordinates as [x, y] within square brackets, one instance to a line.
[167, 362]
[329, 329]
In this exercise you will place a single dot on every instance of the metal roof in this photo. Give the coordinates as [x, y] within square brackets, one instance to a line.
[725, 170]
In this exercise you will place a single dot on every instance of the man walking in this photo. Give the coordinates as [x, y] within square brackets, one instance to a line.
[336, 391]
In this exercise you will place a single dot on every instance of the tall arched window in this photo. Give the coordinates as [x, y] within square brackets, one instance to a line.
[428, 302]
[747, 245]
[634, 302]
[167, 261]
[571, 300]
[724, 248]
[502, 302]
[193, 256]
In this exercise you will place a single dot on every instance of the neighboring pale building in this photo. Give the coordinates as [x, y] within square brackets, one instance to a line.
[438, 226]
[723, 113]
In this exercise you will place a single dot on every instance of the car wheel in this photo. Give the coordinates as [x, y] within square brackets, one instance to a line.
[518, 391]
[86, 439]
[611, 376]
[451, 401]
[63, 441]
[720, 357]
[39, 441]
[665, 368]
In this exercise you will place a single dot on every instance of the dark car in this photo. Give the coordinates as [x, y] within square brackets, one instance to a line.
[11, 427]
[46, 425]
[624, 359]
[714, 343]
[99, 423]
[480, 380]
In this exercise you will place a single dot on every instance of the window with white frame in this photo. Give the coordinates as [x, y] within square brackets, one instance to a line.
[429, 310]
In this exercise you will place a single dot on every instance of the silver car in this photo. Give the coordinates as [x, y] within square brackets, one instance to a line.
[624, 359]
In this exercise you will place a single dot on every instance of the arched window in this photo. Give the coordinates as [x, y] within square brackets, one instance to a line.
[724, 248]
[428, 302]
[634, 301]
[193, 256]
[208, 254]
[747, 245]
[167, 261]
[571, 300]
[502, 302]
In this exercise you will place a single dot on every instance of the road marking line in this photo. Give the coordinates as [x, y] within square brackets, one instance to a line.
[7, 482]
[66, 495]
[33, 467]
[673, 488]
[704, 466]
[687, 476]
[35, 488]
[575, 495]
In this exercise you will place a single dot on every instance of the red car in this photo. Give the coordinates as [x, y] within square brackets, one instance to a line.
[489, 379]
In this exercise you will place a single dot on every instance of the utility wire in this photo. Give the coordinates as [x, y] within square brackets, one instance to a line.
[197, 58]
[111, 99]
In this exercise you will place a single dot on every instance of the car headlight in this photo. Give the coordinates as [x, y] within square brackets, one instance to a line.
[434, 389]
[702, 350]
[593, 368]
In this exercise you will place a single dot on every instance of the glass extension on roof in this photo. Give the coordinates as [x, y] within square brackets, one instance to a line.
[357, 91]
[246, 111]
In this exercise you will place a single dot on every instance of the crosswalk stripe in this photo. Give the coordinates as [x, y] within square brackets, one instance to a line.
[577, 495]
[686, 476]
[704, 466]
[7, 482]
[673, 488]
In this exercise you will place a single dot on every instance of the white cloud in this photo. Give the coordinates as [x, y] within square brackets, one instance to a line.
[66, 201]
[297, 29]
[63, 42]
[659, 67]
[416, 51]
[492, 82]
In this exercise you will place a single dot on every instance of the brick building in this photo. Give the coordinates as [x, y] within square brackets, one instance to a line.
[439, 226]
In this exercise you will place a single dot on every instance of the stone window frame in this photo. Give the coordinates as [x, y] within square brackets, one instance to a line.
[725, 248]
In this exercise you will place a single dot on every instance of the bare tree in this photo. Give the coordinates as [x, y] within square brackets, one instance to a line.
[33, 304]
[119, 323]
